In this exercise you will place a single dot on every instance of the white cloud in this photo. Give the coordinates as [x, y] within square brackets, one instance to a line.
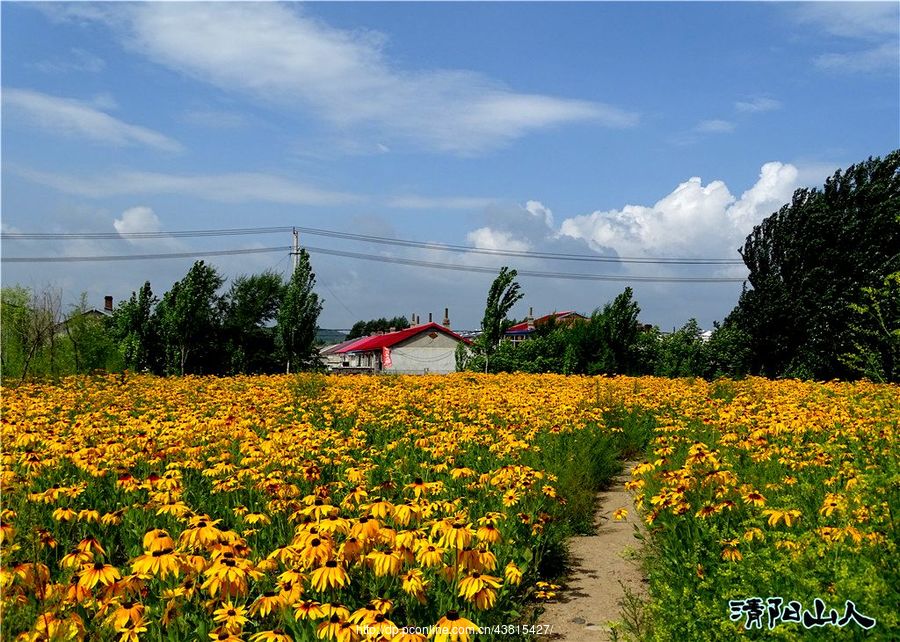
[77, 60]
[227, 188]
[279, 54]
[758, 104]
[81, 120]
[714, 126]
[874, 27]
[217, 119]
[414, 201]
[540, 211]
[485, 238]
[137, 219]
[885, 56]
[692, 221]
[864, 20]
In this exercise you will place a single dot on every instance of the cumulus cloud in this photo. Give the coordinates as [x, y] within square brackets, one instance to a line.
[692, 221]
[136, 220]
[281, 55]
[485, 238]
[81, 120]
[540, 211]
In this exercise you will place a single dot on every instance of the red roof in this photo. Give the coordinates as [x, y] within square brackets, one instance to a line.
[379, 341]
[339, 348]
[521, 328]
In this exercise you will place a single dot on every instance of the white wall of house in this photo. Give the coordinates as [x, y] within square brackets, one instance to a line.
[423, 352]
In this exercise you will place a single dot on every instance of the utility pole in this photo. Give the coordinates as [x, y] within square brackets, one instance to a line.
[295, 250]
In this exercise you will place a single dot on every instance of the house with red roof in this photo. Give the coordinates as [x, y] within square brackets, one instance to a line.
[521, 331]
[427, 348]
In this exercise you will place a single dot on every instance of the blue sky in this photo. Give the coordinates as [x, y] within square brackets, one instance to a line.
[639, 129]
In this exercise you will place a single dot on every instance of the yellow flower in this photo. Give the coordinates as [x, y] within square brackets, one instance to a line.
[452, 627]
[475, 582]
[513, 574]
[230, 616]
[266, 603]
[331, 575]
[620, 514]
[91, 574]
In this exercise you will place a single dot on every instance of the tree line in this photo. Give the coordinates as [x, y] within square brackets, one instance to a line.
[821, 301]
[260, 324]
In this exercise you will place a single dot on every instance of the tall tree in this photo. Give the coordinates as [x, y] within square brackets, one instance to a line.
[502, 296]
[188, 317]
[248, 310]
[809, 264]
[91, 342]
[136, 330]
[298, 317]
[382, 324]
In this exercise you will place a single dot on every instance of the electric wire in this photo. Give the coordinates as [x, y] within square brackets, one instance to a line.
[381, 240]
[376, 258]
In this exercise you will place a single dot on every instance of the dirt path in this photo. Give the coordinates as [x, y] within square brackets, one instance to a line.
[601, 565]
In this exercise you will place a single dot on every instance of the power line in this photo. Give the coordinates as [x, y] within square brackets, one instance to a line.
[377, 258]
[381, 240]
[140, 257]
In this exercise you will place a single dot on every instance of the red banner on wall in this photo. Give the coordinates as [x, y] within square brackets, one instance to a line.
[385, 357]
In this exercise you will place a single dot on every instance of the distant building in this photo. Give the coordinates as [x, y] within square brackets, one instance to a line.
[521, 331]
[428, 348]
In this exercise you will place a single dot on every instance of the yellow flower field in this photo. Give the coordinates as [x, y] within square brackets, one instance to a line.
[347, 508]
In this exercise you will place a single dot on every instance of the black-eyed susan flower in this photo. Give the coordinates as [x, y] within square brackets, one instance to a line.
[512, 574]
[331, 575]
[268, 602]
[98, 572]
[475, 582]
[231, 617]
[275, 635]
[453, 627]
[308, 610]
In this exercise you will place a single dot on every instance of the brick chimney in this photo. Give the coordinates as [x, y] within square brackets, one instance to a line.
[107, 303]
[446, 322]
[429, 318]
[529, 320]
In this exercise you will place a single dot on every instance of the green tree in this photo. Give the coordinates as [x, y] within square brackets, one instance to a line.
[607, 343]
[728, 352]
[682, 353]
[188, 318]
[248, 311]
[297, 318]
[136, 329]
[875, 332]
[809, 264]
[502, 296]
[91, 339]
[383, 324]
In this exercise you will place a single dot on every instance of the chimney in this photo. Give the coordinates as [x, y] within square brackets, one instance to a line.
[529, 320]
[417, 319]
[429, 318]
[446, 322]
[107, 303]
[412, 319]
